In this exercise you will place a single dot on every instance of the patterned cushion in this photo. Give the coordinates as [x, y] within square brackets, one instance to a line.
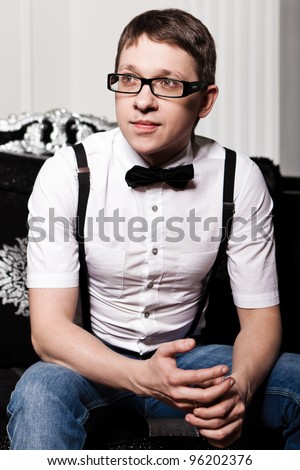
[18, 173]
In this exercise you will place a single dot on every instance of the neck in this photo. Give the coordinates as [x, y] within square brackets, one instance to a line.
[161, 159]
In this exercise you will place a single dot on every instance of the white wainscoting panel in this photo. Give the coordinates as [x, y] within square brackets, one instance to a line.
[246, 115]
[26, 47]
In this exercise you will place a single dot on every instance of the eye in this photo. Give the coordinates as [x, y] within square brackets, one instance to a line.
[127, 80]
[169, 83]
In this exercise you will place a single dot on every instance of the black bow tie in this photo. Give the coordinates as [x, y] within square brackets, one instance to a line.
[176, 177]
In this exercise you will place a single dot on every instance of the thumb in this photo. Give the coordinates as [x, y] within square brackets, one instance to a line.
[178, 346]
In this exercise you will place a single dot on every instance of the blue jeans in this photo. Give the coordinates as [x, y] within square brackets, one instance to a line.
[51, 403]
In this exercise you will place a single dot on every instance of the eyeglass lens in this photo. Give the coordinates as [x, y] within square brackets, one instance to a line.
[159, 86]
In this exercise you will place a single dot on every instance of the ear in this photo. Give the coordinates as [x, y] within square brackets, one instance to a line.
[208, 100]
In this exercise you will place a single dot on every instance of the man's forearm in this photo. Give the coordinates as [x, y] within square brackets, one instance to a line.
[256, 348]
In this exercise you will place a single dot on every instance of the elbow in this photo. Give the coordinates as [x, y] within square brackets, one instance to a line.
[38, 348]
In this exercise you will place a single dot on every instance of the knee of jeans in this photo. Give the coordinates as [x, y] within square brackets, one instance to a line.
[205, 356]
[39, 384]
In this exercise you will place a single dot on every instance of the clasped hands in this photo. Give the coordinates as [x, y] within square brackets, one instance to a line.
[209, 397]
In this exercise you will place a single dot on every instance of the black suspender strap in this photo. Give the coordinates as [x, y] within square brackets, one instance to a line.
[83, 195]
[228, 211]
[228, 193]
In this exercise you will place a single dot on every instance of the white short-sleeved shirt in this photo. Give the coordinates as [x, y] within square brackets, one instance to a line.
[149, 249]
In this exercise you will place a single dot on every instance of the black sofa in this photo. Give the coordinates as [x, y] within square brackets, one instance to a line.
[25, 142]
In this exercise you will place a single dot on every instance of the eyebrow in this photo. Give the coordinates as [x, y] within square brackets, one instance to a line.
[162, 72]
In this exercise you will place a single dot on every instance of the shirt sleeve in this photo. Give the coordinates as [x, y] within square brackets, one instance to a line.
[251, 248]
[52, 253]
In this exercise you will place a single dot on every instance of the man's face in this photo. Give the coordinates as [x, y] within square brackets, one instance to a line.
[157, 128]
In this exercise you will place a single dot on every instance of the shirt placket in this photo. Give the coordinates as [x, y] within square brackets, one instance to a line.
[153, 263]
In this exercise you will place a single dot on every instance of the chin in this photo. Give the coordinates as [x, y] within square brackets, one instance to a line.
[145, 149]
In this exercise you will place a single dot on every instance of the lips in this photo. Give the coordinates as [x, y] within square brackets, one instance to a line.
[147, 126]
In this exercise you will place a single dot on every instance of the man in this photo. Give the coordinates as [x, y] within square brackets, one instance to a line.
[148, 257]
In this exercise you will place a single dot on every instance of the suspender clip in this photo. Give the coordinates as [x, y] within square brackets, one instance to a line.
[84, 169]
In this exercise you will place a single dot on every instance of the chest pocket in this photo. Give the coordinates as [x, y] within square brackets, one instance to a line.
[106, 269]
[192, 270]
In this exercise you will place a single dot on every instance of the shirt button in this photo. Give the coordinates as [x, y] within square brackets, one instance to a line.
[150, 285]
[154, 208]
[154, 251]
[146, 314]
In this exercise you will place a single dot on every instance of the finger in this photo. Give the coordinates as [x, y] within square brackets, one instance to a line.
[210, 383]
[220, 431]
[210, 395]
[225, 436]
[225, 443]
[222, 409]
[172, 348]
[204, 397]
[229, 413]
[199, 377]
[188, 377]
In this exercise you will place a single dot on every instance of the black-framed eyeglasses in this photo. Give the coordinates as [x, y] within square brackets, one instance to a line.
[163, 87]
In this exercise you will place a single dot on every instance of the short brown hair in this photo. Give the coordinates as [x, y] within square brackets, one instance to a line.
[175, 27]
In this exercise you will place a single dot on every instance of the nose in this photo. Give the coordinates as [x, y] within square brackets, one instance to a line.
[145, 99]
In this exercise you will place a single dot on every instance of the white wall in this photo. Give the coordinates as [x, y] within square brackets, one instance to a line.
[11, 57]
[289, 87]
[59, 52]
